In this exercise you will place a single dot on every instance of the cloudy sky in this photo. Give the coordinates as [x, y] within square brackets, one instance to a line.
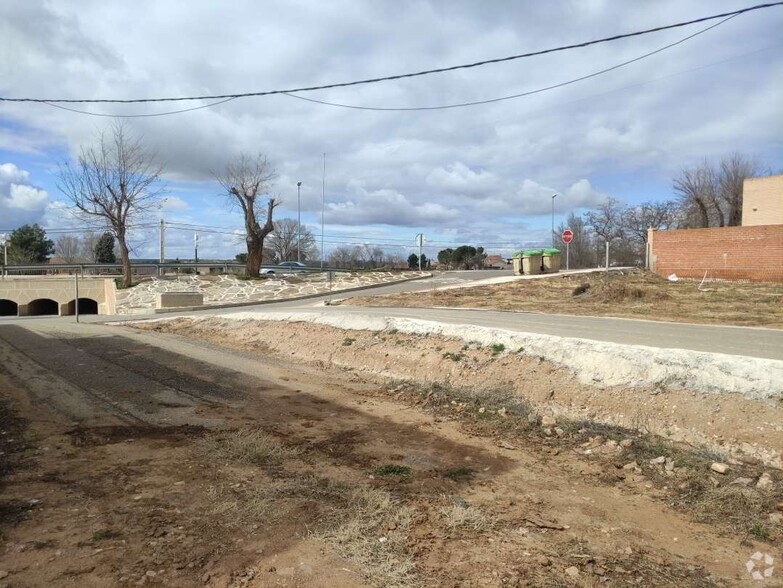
[482, 175]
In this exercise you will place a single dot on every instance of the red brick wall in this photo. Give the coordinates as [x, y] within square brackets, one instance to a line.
[734, 253]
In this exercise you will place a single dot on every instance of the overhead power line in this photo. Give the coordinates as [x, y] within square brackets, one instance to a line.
[521, 94]
[400, 76]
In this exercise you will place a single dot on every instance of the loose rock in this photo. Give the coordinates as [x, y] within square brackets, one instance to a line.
[720, 468]
[742, 482]
[765, 482]
[548, 421]
[573, 571]
[626, 443]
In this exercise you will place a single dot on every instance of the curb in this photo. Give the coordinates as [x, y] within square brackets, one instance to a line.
[274, 301]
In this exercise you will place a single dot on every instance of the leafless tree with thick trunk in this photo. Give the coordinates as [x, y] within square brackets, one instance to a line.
[115, 181]
[697, 189]
[712, 196]
[245, 182]
[733, 172]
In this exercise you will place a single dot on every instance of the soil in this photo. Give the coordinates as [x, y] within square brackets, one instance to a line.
[629, 294]
[149, 458]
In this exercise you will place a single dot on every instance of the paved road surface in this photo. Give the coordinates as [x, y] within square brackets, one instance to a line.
[747, 341]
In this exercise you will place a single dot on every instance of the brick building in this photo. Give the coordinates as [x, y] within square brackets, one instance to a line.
[762, 201]
[753, 251]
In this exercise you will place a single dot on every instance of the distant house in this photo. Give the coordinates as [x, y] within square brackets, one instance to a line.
[494, 262]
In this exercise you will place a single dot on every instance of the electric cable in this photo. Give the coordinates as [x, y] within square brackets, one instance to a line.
[405, 75]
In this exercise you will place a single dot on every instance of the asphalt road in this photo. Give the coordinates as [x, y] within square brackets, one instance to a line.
[744, 341]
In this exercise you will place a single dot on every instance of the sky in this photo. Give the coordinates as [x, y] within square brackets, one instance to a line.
[480, 175]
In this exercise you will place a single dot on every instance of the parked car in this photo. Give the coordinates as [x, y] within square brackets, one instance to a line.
[285, 267]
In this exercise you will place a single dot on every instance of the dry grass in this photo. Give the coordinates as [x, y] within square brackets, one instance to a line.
[369, 530]
[251, 446]
[459, 518]
[632, 294]
[743, 510]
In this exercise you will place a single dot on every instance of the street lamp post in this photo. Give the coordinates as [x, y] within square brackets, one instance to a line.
[4, 241]
[195, 245]
[553, 219]
[299, 222]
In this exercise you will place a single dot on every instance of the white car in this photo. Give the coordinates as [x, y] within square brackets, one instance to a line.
[286, 267]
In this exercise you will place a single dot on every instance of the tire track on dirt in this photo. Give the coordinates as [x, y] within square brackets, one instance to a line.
[40, 381]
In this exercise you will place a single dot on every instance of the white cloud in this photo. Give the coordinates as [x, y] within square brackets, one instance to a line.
[174, 203]
[9, 174]
[20, 202]
[27, 197]
[455, 169]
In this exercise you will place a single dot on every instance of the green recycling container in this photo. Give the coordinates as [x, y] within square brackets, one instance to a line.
[551, 261]
[532, 261]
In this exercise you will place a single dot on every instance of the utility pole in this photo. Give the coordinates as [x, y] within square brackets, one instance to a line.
[299, 222]
[195, 244]
[553, 219]
[4, 239]
[76, 295]
[162, 253]
[420, 241]
[323, 209]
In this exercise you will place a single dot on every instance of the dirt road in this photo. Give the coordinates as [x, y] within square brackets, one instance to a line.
[143, 458]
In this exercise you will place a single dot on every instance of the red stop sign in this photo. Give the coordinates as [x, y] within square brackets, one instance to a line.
[568, 236]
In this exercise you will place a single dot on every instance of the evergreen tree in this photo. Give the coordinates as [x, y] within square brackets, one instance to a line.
[28, 244]
[104, 249]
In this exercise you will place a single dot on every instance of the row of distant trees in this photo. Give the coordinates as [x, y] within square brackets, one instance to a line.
[29, 244]
[705, 195]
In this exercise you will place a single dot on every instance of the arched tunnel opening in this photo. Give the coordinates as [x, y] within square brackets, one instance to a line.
[43, 306]
[86, 306]
[8, 308]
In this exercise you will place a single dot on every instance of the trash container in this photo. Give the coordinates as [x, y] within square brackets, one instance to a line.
[551, 260]
[531, 261]
[516, 260]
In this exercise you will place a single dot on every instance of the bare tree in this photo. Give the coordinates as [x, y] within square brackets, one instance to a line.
[245, 182]
[115, 181]
[88, 241]
[342, 257]
[68, 248]
[733, 172]
[697, 189]
[712, 196]
[581, 250]
[607, 219]
[649, 215]
[284, 241]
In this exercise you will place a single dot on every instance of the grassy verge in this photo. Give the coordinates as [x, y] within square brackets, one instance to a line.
[633, 294]
[681, 473]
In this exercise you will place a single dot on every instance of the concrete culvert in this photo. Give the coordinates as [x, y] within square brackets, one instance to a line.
[43, 306]
[8, 308]
[86, 306]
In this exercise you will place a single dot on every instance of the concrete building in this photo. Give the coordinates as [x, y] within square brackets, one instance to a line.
[762, 201]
